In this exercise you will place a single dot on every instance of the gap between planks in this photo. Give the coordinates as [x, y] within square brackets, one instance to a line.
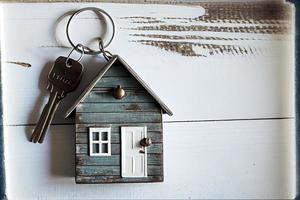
[179, 121]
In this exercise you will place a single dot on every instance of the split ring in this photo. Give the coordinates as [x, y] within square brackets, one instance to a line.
[77, 48]
[87, 50]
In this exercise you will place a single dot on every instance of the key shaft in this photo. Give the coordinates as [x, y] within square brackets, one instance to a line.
[43, 119]
[49, 119]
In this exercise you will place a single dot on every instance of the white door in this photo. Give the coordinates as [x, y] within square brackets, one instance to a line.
[134, 155]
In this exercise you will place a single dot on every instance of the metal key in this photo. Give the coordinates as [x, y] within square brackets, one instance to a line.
[63, 78]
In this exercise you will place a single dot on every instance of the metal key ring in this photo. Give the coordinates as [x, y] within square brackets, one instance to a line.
[77, 47]
[87, 50]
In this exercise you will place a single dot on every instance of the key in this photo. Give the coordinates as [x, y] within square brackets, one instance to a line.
[47, 115]
[63, 78]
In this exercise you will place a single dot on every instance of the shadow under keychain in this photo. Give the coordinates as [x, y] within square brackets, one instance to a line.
[65, 76]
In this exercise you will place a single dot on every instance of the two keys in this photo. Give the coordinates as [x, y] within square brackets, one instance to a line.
[64, 77]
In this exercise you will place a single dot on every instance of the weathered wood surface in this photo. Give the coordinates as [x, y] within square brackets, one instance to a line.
[112, 112]
[82, 137]
[118, 179]
[245, 75]
[117, 71]
[162, 57]
[136, 117]
[115, 160]
[151, 127]
[113, 170]
[112, 82]
[257, 150]
[156, 148]
[107, 97]
[117, 107]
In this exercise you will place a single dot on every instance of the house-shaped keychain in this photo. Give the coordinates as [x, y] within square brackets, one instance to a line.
[119, 133]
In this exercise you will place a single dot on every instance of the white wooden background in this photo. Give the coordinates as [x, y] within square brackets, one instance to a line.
[232, 133]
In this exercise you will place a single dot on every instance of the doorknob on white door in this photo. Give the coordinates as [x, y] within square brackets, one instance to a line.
[146, 142]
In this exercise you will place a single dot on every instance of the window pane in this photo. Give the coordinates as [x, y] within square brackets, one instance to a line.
[104, 148]
[104, 136]
[95, 148]
[95, 136]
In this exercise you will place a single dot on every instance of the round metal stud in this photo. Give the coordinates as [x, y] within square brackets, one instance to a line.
[119, 93]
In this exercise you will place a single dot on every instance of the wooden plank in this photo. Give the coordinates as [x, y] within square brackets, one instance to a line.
[151, 127]
[83, 149]
[262, 150]
[118, 107]
[191, 150]
[114, 160]
[112, 170]
[134, 96]
[151, 117]
[113, 82]
[154, 159]
[117, 71]
[156, 137]
[202, 74]
[116, 179]
[97, 170]
[156, 148]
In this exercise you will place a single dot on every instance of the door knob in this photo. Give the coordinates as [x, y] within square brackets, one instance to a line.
[146, 142]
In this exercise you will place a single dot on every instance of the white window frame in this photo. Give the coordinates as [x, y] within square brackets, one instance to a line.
[100, 130]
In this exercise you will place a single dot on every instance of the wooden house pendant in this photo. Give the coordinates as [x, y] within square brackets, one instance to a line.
[119, 133]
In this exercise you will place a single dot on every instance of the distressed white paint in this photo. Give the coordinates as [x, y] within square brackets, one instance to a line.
[232, 160]
[226, 86]
[134, 162]
[238, 159]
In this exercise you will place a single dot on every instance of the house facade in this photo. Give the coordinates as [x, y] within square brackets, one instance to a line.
[119, 131]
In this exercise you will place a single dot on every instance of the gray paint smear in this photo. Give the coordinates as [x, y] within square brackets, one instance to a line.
[264, 18]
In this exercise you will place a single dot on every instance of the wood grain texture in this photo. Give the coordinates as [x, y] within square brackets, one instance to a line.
[82, 137]
[117, 107]
[258, 149]
[116, 179]
[117, 71]
[231, 18]
[151, 127]
[93, 110]
[112, 170]
[113, 82]
[109, 118]
[231, 86]
[84, 149]
[206, 74]
[107, 97]
[115, 160]
[156, 148]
